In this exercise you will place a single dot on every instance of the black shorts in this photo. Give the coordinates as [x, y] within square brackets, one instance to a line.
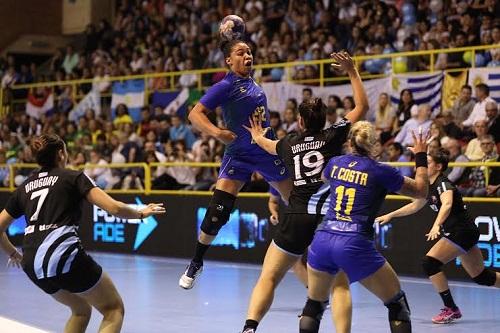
[295, 233]
[464, 238]
[82, 276]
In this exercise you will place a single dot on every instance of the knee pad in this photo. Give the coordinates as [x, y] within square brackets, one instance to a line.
[431, 265]
[398, 308]
[218, 212]
[486, 278]
[311, 316]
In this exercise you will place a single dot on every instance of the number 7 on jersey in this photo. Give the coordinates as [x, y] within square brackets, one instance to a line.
[42, 194]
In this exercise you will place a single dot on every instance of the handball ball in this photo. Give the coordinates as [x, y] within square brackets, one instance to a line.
[232, 27]
[467, 57]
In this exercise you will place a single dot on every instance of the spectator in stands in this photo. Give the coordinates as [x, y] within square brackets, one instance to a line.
[474, 151]
[479, 176]
[457, 175]
[290, 123]
[450, 128]
[412, 125]
[275, 120]
[183, 175]
[101, 175]
[306, 94]
[493, 187]
[396, 154]
[433, 146]
[493, 120]
[384, 118]
[406, 108]
[9, 78]
[180, 131]
[71, 59]
[463, 105]
[331, 117]
[437, 131]
[4, 170]
[479, 110]
[122, 116]
[188, 80]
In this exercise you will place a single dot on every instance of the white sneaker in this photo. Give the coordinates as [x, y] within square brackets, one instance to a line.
[193, 270]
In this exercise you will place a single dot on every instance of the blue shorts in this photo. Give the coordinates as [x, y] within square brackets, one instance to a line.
[241, 168]
[355, 254]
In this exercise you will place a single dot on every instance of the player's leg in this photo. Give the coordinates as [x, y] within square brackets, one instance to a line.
[341, 303]
[300, 270]
[441, 253]
[472, 261]
[106, 299]
[217, 215]
[80, 311]
[384, 284]
[276, 263]
[320, 285]
[284, 187]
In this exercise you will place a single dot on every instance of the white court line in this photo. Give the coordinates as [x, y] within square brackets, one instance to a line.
[9, 325]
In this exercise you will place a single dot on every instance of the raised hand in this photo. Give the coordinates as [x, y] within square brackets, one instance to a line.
[255, 128]
[342, 62]
[420, 141]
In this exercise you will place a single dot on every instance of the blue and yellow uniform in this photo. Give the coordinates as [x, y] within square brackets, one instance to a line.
[242, 98]
[344, 240]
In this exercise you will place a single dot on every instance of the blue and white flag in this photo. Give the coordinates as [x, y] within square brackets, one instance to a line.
[490, 76]
[130, 93]
[172, 102]
[426, 88]
[91, 101]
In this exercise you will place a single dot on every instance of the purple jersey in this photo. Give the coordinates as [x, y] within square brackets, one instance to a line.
[240, 99]
[358, 186]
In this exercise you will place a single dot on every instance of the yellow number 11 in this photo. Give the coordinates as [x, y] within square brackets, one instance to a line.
[350, 193]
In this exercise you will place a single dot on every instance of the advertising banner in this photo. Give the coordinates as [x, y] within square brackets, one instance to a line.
[246, 236]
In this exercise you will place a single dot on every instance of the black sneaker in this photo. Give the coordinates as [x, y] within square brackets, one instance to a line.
[192, 272]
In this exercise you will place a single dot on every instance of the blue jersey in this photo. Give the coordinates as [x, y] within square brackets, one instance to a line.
[358, 186]
[240, 99]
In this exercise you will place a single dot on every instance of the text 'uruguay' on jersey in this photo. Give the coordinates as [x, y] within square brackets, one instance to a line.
[40, 182]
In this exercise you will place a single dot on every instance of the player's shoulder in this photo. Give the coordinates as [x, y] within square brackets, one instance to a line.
[443, 184]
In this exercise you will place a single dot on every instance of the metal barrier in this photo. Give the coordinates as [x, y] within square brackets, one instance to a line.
[148, 180]
[321, 80]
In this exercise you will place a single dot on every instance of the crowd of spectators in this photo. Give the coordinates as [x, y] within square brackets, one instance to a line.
[166, 36]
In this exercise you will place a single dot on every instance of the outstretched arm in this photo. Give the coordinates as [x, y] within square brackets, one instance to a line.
[100, 198]
[344, 62]
[258, 136]
[408, 209]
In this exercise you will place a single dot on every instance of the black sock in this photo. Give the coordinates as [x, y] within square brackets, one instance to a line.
[249, 323]
[200, 252]
[448, 299]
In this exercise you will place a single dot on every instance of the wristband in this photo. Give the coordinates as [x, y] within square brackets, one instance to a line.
[421, 159]
[141, 215]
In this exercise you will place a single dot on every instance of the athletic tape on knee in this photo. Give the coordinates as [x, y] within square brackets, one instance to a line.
[486, 278]
[431, 265]
[218, 212]
[398, 308]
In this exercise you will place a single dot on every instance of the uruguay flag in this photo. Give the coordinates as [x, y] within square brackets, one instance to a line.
[490, 76]
[426, 88]
[130, 93]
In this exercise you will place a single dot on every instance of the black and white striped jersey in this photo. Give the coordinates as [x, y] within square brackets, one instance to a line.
[306, 155]
[50, 202]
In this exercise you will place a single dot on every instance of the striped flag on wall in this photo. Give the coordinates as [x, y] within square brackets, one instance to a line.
[426, 88]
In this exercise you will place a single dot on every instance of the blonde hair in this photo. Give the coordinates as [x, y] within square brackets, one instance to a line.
[362, 138]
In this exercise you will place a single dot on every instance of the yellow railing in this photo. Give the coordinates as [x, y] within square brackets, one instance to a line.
[148, 178]
[321, 80]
